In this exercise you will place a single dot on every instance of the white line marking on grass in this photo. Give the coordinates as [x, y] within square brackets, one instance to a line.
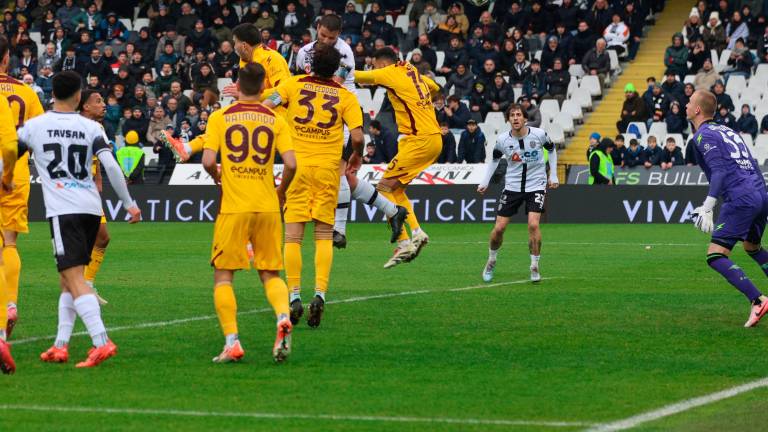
[181, 321]
[679, 407]
[289, 416]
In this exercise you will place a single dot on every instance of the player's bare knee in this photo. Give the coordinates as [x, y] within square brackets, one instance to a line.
[751, 248]
[323, 231]
[102, 241]
[533, 228]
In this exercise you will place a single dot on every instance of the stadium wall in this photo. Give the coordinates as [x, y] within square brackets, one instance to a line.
[435, 203]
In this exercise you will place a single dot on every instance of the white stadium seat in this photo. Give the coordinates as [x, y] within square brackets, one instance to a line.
[615, 68]
[583, 98]
[150, 155]
[760, 150]
[755, 86]
[565, 121]
[722, 63]
[139, 23]
[127, 22]
[441, 81]
[390, 20]
[592, 84]
[440, 59]
[658, 129]
[495, 119]
[489, 131]
[736, 85]
[402, 23]
[761, 73]
[689, 79]
[640, 127]
[576, 71]
[556, 133]
[627, 137]
[550, 107]
[573, 109]
[747, 138]
[223, 82]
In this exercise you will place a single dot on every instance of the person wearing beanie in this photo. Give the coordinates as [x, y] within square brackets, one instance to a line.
[131, 158]
[601, 164]
[594, 140]
[633, 109]
[714, 33]
[676, 57]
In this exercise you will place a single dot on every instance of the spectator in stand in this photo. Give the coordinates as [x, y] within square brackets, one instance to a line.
[471, 144]
[168, 56]
[97, 66]
[673, 88]
[164, 80]
[137, 122]
[491, 29]
[460, 81]
[430, 19]
[616, 35]
[84, 47]
[186, 22]
[520, 71]
[45, 82]
[652, 153]
[690, 153]
[619, 154]
[225, 60]
[514, 16]
[688, 91]
[487, 73]
[676, 57]
[176, 92]
[671, 155]
[697, 56]
[762, 46]
[596, 62]
[557, 82]
[692, 29]
[659, 104]
[535, 84]
[633, 109]
[112, 31]
[550, 52]
[49, 56]
[266, 20]
[568, 15]
[740, 61]
[723, 99]
[506, 57]
[428, 53]
[156, 125]
[707, 76]
[635, 21]
[714, 33]
[533, 115]
[675, 119]
[201, 38]
[735, 29]
[445, 31]
[352, 23]
[499, 95]
[454, 56]
[599, 16]
[635, 155]
[369, 157]
[220, 31]
[583, 42]
[457, 113]
[724, 117]
[66, 14]
[747, 123]
[385, 141]
[448, 154]
[601, 163]
[252, 15]
[477, 101]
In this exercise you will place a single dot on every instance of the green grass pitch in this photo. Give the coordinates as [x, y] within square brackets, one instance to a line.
[614, 330]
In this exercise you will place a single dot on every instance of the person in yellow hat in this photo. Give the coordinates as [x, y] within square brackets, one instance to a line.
[131, 158]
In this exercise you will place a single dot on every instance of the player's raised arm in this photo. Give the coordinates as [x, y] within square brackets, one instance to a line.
[115, 175]
[490, 168]
[369, 77]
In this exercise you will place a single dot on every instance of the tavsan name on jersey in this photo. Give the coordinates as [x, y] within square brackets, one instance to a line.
[58, 133]
[249, 116]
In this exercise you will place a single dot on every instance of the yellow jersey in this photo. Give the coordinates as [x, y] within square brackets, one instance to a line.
[24, 105]
[410, 94]
[274, 64]
[318, 109]
[247, 135]
[9, 141]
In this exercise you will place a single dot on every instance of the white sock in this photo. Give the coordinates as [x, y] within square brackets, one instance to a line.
[320, 294]
[67, 315]
[295, 295]
[11, 305]
[231, 339]
[535, 260]
[282, 317]
[492, 254]
[88, 309]
[342, 208]
[366, 193]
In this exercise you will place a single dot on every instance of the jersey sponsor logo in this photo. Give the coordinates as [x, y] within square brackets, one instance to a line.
[527, 156]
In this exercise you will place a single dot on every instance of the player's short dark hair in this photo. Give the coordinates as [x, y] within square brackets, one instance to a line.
[251, 79]
[325, 60]
[517, 107]
[386, 53]
[247, 33]
[4, 46]
[84, 96]
[66, 84]
[331, 22]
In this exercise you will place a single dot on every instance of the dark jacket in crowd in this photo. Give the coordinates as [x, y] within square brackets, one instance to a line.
[676, 156]
[386, 145]
[448, 155]
[653, 155]
[747, 123]
[471, 147]
[599, 62]
[634, 157]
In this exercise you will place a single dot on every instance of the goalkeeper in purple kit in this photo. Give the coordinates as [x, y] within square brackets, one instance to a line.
[734, 176]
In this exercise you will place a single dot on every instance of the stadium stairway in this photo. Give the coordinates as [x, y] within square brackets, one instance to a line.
[649, 62]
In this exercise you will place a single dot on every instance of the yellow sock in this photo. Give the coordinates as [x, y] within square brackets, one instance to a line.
[402, 200]
[277, 294]
[3, 302]
[293, 265]
[226, 308]
[393, 197]
[323, 262]
[97, 257]
[12, 266]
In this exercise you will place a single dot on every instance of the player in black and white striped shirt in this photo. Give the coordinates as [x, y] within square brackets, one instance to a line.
[63, 144]
[527, 150]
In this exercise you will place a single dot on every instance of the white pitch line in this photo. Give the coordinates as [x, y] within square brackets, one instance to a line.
[290, 416]
[678, 407]
[180, 321]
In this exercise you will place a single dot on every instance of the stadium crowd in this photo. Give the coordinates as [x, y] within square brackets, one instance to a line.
[162, 69]
[718, 41]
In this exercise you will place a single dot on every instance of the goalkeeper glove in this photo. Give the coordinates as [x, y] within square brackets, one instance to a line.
[702, 216]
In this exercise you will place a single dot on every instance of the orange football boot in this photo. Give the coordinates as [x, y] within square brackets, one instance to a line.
[55, 355]
[97, 355]
[231, 353]
[7, 365]
[282, 346]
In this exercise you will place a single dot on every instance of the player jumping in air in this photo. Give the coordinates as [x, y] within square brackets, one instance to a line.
[8, 155]
[734, 176]
[63, 144]
[526, 150]
[411, 96]
[13, 205]
[247, 134]
[318, 110]
[92, 107]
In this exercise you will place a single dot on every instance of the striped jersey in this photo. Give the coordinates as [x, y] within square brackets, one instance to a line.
[306, 53]
[526, 161]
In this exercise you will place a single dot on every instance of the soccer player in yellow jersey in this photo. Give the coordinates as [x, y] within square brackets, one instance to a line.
[92, 107]
[411, 96]
[318, 109]
[8, 152]
[247, 134]
[25, 105]
[249, 46]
